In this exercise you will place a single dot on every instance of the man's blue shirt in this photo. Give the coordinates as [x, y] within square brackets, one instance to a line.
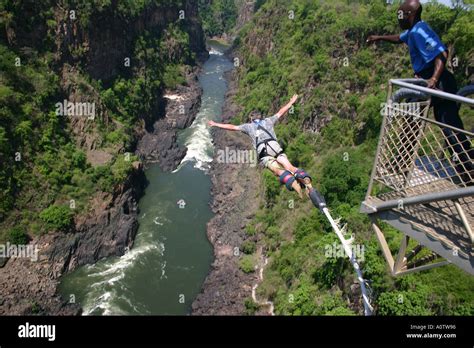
[424, 45]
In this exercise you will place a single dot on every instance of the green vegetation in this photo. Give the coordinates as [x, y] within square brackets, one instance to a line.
[218, 16]
[17, 236]
[321, 55]
[35, 308]
[248, 247]
[247, 263]
[250, 306]
[57, 217]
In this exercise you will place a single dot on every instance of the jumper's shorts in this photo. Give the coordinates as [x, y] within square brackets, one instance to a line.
[273, 148]
[268, 160]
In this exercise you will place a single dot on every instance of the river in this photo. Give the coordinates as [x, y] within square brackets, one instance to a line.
[164, 271]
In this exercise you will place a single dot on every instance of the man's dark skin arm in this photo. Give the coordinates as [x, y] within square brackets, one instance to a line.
[439, 64]
[395, 39]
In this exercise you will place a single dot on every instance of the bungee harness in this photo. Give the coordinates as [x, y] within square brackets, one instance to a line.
[264, 151]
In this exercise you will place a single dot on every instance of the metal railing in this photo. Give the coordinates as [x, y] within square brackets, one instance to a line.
[415, 151]
[423, 168]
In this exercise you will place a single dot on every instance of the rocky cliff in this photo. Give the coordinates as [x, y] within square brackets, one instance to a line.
[236, 196]
[89, 47]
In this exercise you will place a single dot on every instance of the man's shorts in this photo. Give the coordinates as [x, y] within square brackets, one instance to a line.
[268, 160]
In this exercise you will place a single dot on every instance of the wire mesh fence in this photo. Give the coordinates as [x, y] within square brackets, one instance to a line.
[418, 156]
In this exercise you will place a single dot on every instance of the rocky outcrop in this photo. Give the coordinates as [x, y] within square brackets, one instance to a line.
[181, 107]
[29, 288]
[236, 196]
[246, 10]
[110, 36]
[108, 228]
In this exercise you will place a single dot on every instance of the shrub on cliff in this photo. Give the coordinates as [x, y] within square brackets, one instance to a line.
[57, 217]
[250, 306]
[247, 264]
[122, 167]
[17, 236]
[248, 247]
[345, 177]
[272, 187]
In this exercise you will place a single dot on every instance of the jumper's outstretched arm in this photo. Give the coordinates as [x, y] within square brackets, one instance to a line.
[287, 107]
[226, 126]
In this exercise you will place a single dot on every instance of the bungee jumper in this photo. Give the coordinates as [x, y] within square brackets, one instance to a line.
[269, 152]
[271, 156]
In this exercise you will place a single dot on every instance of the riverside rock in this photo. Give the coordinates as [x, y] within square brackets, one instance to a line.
[234, 199]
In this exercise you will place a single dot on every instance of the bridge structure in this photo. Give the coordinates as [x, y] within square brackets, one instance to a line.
[422, 183]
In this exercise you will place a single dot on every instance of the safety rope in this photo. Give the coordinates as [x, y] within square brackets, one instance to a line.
[320, 203]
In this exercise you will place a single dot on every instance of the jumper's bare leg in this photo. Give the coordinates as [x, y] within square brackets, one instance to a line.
[283, 160]
[275, 167]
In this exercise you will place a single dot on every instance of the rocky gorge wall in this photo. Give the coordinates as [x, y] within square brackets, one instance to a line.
[109, 225]
[236, 195]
